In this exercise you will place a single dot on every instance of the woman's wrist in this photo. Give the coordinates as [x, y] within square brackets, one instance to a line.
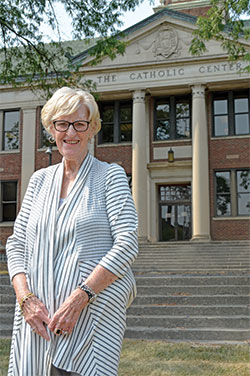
[24, 299]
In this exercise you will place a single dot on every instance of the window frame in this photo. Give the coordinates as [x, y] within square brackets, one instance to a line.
[233, 193]
[117, 122]
[230, 96]
[173, 100]
[2, 182]
[2, 129]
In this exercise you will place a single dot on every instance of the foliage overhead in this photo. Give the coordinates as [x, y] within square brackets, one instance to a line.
[26, 59]
[224, 23]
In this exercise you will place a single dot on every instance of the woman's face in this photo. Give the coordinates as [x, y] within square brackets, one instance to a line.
[73, 145]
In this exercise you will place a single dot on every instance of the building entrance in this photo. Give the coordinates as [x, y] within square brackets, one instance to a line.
[175, 213]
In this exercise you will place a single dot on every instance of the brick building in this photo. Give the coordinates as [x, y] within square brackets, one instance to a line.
[180, 126]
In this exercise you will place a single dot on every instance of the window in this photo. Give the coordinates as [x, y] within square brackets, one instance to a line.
[243, 192]
[172, 118]
[231, 114]
[10, 130]
[8, 201]
[232, 193]
[116, 122]
[223, 194]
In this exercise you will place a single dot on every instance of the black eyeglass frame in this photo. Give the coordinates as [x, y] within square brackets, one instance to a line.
[73, 125]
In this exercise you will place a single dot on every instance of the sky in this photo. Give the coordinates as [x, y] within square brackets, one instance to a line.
[144, 10]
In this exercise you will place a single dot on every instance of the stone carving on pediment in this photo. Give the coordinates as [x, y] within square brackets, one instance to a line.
[162, 44]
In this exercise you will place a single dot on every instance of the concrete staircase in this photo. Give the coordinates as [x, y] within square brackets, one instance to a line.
[187, 292]
[7, 304]
[192, 292]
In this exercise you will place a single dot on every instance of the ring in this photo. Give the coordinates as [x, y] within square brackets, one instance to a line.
[57, 331]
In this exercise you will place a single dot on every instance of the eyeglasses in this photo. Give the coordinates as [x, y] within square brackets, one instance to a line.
[78, 125]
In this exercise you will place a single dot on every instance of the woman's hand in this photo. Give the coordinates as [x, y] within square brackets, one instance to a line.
[36, 315]
[68, 313]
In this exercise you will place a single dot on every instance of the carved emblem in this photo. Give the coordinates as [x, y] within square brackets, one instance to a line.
[163, 44]
[166, 42]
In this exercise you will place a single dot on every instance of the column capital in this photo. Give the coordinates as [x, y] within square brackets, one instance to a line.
[198, 90]
[28, 108]
[139, 96]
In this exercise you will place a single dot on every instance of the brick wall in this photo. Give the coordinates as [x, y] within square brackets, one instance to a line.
[195, 11]
[226, 153]
[121, 154]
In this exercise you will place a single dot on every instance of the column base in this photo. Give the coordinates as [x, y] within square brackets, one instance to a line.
[142, 239]
[201, 238]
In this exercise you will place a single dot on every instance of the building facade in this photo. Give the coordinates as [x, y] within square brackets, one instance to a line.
[178, 124]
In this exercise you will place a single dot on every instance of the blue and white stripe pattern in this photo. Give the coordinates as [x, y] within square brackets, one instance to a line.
[57, 247]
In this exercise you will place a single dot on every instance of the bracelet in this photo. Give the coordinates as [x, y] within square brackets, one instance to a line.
[91, 294]
[23, 300]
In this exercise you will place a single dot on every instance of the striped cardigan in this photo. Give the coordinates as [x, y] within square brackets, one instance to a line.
[57, 247]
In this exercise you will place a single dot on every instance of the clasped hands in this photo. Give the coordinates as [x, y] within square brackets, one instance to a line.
[63, 320]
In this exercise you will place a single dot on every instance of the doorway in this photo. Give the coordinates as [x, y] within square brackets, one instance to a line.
[175, 212]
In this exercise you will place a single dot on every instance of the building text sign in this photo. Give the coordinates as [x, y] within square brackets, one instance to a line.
[188, 73]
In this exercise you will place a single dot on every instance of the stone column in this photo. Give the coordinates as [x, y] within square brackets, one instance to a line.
[28, 147]
[139, 162]
[200, 171]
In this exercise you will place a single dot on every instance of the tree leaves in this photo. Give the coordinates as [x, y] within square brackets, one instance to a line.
[224, 23]
[25, 59]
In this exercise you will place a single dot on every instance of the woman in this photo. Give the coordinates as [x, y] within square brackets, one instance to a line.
[70, 254]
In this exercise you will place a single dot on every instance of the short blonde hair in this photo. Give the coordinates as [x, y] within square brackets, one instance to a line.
[66, 101]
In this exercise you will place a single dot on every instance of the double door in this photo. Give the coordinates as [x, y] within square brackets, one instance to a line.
[175, 213]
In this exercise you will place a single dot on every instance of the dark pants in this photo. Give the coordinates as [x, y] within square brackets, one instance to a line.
[61, 372]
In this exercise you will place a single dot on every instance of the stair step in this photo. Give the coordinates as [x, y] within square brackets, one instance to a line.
[190, 334]
[6, 318]
[5, 289]
[193, 281]
[5, 330]
[172, 322]
[193, 300]
[187, 309]
[7, 299]
[193, 290]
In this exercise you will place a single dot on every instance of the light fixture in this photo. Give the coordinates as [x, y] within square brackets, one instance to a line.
[170, 156]
[49, 151]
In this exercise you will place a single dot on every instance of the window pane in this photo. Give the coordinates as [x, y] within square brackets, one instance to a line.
[223, 182]
[11, 130]
[241, 105]
[9, 212]
[182, 110]
[11, 118]
[221, 126]
[243, 192]
[242, 124]
[243, 181]
[223, 205]
[175, 192]
[162, 111]
[183, 128]
[107, 133]
[126, 113]
[163, 130]
[244, 204]
[9, 191]
[126, 132]
[220, 106]
[108, 113]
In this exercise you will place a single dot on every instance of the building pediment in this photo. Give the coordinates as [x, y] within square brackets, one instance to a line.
[162, 38]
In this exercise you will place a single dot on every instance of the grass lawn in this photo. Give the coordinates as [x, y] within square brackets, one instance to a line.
[153, 358]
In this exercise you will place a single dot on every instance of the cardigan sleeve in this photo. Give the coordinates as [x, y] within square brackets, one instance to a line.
[16, 242]
[123, 221]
